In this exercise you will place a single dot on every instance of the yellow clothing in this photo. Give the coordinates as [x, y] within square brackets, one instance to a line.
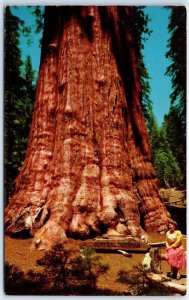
[173, 239]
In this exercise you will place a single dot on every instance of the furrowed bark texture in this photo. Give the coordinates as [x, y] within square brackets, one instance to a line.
[88, 165]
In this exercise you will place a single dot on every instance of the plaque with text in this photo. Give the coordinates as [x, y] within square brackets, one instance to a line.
[127, 244]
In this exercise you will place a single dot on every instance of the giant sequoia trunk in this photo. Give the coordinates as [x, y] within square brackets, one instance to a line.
[88, 165]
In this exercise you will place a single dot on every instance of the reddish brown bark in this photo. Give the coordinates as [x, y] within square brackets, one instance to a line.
[88, 166]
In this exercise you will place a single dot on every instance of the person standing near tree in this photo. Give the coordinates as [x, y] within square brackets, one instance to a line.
[175, 255]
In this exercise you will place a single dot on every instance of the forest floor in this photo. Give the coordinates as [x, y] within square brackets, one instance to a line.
[19, 253]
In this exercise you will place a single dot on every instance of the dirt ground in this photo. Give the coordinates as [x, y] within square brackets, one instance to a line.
[19, 253]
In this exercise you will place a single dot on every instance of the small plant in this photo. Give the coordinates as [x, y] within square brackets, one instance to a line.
[139, 285]
[56, 263]
[69, 269]
[136, 278]
[13, 276]
[19, 283]
[87, 267]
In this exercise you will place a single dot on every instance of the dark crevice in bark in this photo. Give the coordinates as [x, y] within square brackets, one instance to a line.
[120, 214]
[24, 234]
[142, 223]
[118, 29]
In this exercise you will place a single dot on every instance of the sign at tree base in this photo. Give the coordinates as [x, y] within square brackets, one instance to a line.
[111, 242]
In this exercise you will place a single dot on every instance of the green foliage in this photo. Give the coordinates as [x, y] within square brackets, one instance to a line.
[19, 93]
[153, 129]
[16, 282]
[139, 285]
[175, 121]
[87, 263]
[67, 268]
[56, 263]
[141, 26]
[66, 271]
[165, 162]
[169, 142]
[176, 136]
[38, 12]
[13, 83]
[141, 33]
[167, 168]
[135, 278]
[13, 278]
[177, 53]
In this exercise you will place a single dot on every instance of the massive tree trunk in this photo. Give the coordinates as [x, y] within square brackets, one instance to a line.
[88, 165]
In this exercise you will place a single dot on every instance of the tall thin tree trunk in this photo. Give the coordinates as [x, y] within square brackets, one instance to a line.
[88, 166]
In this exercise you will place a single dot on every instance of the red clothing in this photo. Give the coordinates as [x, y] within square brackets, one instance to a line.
[175, 255]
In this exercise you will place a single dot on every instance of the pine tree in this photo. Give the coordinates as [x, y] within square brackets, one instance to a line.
[12, 93]
[153, 129]
[175, 121]
[166, 165]
[18, 101]
[142, 32]
[24, 109]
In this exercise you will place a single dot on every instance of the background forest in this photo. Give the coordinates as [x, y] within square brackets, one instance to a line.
[168, 141]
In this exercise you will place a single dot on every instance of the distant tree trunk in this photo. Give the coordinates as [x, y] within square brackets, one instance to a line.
[88, 166]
